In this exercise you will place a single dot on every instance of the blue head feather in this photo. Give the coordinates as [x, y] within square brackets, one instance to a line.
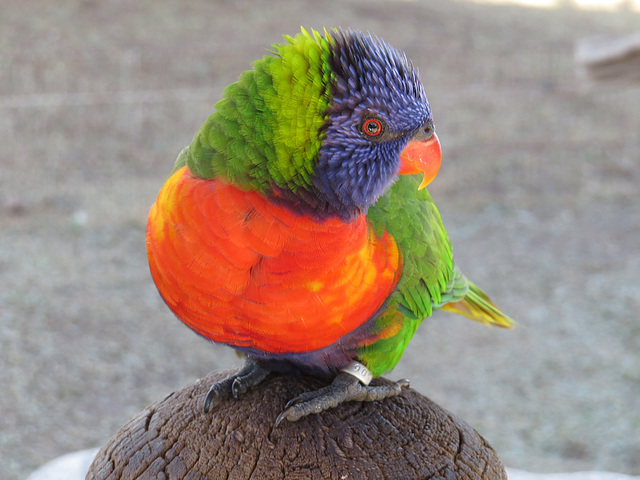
[371, 80]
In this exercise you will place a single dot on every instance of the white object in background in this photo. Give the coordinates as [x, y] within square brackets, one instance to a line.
[521, 475]
[72, 466]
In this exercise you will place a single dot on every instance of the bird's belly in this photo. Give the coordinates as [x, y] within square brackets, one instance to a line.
[242, 271]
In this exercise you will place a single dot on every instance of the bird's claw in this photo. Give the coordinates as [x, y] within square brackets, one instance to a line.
[345, 388]
[237, 384]
[217, 392]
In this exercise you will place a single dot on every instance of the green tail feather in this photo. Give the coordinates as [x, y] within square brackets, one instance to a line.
[477, 306]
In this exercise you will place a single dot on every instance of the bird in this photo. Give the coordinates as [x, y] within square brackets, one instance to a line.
[296, 227]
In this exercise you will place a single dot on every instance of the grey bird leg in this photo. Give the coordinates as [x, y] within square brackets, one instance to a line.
[248, 377]
[346, 387]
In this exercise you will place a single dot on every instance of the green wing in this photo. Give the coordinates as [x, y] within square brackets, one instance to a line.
[429, 281]
[412, 218]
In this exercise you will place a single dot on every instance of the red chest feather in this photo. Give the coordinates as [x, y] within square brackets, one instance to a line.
[242, 271]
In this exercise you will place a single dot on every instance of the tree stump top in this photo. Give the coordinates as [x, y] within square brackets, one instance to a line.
[406, 437]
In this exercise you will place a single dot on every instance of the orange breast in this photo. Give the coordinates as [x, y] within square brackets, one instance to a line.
[242, 271]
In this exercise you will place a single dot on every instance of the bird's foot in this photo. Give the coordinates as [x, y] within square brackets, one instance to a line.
[248, 377]
[351, 384]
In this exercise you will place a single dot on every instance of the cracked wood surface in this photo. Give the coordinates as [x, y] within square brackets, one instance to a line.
[406, 437]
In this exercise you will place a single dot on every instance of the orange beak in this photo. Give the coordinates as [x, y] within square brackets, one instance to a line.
[422, 156]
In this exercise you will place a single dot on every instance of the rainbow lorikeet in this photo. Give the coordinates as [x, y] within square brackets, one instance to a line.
[293, 228]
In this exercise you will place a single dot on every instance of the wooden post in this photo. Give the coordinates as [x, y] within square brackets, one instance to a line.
[406, 437]
[613, 61]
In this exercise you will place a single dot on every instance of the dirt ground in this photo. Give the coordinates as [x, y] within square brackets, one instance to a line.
[539, 189]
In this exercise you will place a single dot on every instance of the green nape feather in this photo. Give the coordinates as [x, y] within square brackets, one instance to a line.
[430, 280]
[267, 129]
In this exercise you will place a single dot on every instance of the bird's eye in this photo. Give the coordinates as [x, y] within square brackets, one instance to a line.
[372, 127]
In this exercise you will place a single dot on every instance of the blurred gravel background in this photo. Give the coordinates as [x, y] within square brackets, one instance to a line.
[539, 189]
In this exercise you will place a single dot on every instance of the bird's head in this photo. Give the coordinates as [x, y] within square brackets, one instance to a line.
[326, 124]
[379, 122]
